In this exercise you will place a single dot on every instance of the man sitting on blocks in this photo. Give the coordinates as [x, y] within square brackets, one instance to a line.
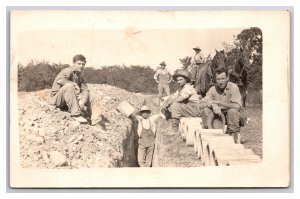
[224, 98]
[185, 102]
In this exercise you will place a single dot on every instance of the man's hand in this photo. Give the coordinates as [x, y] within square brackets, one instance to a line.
[216, 109]
[165, 105]
[77, 89]
[82, 105]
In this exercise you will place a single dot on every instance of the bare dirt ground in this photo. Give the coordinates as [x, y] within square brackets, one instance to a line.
[50, 138]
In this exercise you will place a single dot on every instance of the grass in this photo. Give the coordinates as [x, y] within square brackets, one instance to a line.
[173, 151]
[252, 132]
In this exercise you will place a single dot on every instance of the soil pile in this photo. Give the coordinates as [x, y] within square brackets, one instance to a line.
[50, 138]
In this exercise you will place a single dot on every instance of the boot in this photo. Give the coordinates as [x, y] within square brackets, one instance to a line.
[80, 119]
[166, 113]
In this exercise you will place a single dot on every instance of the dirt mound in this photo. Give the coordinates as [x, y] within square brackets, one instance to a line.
[50, 138]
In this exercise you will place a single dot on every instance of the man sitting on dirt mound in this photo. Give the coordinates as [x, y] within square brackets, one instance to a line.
[185, 102]
[69, 90]
[224, 98]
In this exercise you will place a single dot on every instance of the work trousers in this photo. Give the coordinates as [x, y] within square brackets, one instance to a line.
[145, 155]
[197, 68]
[232, 119]
[66, 96]
[162, 88]
[182, 109]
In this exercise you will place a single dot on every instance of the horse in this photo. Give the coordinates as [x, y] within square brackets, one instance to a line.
[237, 63]
[205, 73]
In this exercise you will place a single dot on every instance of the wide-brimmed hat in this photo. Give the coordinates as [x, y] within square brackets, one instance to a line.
[197, 48]
[163, 63]
[144, 108]
[182, 73]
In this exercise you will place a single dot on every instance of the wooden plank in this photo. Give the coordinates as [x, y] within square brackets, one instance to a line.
[213, 131]
[249, 159]
[226, 141]
[256, 160]
[190, 123]
[235, 159]
[227, 147]
[191, 134]
[196, 140]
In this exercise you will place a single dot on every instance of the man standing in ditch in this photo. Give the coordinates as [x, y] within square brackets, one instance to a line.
[69, 90]
[185, 102]
[163, 78]
[224, 98]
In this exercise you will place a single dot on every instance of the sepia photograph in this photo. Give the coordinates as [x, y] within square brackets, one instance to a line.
[149, 98]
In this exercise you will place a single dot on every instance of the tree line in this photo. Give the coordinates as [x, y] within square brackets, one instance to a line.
[40, 75]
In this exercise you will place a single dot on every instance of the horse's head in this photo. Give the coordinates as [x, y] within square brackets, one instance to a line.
[238, 60]
[243, 58]
[219, 59]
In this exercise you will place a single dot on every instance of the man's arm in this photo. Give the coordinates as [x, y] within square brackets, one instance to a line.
[170, 98]
[170, 77]
[202, 58]
[153, 118]
[228, 105]
[85, 92]
[185, 93]
[207, 101]
[64, 76]
[235, 100]
[155, 76]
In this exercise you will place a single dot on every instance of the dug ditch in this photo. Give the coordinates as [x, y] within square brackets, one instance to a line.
[50, 138]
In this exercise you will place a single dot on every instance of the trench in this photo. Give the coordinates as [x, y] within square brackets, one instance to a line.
[170, 149]
[130, 147]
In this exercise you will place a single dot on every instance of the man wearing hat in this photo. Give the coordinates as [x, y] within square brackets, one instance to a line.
[196, 62]
[147, 132]
[185, 102]
[163, 78]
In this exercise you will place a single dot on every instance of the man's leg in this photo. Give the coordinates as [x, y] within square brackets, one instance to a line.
[179, 110]
[149, 156]
[167, 89]
[160, 93]
[233, 124]
[66, 96]
[87, 111]
[204, 116]
[141, 156]
[194, 73]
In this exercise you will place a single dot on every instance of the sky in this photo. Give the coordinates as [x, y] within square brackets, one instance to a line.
[121, 47]
[119, 37]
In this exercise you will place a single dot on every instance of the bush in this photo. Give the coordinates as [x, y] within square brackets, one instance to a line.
[37, 76]
[40, 75]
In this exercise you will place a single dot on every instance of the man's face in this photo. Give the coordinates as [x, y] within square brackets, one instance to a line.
[181, 81]
[222, 80]
[162, 67]
[196, 50]
[79, 65]
[145, 114]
